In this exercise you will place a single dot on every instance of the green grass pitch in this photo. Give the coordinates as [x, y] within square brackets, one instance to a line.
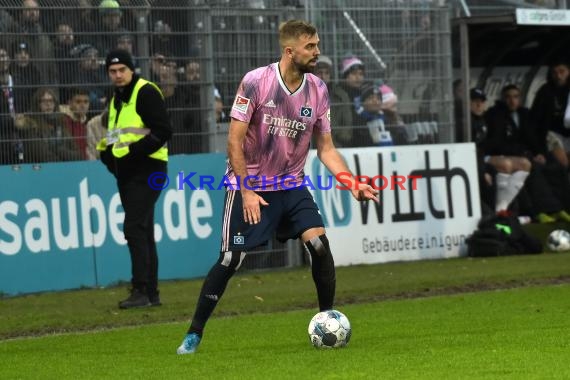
[502, 318]
[509, 334]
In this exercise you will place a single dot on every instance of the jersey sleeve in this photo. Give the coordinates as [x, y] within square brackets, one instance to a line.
[323, 124]
[245, 101]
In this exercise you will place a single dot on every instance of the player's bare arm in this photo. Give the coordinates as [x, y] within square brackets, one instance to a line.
[330, 157]
[251, 200]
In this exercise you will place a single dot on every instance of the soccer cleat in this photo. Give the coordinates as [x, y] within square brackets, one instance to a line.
[563, 216]
[544, 218]
[136, 299]
[189, 344]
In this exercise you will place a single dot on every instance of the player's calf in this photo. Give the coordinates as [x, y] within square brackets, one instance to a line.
[323, 270]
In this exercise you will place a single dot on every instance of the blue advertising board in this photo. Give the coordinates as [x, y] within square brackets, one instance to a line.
[61, 225]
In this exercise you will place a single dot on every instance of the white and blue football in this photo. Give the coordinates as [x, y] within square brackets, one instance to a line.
[329, 329]
[558, 240]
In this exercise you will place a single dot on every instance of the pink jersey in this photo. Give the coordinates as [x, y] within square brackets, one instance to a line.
[280, 126]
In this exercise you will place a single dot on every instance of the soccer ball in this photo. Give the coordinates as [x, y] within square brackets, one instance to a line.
[558, 240]
[329, 329]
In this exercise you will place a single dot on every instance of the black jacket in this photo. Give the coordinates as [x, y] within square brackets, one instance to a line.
[152, 110]
[548, 109]
[505, 138]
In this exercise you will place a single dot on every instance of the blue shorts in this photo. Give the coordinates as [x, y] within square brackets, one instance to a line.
[289, 214]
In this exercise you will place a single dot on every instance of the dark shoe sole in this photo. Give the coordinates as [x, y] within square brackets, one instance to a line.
[134, 306]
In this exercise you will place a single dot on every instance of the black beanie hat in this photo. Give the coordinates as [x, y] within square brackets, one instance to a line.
[119, 56]
[367, 89]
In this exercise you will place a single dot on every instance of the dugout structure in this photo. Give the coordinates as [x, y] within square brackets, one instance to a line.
[516, 46]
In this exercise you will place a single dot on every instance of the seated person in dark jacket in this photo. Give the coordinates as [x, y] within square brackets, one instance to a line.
[511, 132]
[548, 108]
[500, 177]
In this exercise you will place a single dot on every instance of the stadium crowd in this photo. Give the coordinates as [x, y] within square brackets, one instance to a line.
[55, 88]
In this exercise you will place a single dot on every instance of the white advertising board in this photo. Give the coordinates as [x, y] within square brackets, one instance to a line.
[431, 221]
[542, 16]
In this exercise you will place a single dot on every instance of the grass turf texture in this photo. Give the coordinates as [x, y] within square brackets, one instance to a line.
[277, 291]
[508, 334]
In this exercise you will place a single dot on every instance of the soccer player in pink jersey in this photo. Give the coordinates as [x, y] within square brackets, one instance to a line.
[277, 109]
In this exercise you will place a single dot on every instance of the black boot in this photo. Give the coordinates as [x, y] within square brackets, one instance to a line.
[154, 298]
[137, 298]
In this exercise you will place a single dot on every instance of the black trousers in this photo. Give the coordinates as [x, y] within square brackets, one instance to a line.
[138, 201]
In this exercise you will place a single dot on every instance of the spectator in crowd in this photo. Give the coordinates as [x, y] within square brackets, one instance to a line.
[341, 104]
[7, 24]
[86, 17]
[390, 106]
[90, 74]
[133, 10]
[548, 110]
[162, 39]
[96, 130]
[500, 177]
[25, 76]
[63, 43]
[157, 62]
[110, 16]
[7, 83]
[352, 73]
[76, 118]
[173, 97]
[511, 133]
[369, 114]
[8, 152]
[43, 131]
[125, 42]
[167, 15]
[30, 30]
[193, 139]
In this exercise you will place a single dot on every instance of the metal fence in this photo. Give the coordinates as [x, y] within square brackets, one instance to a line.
[52, 63]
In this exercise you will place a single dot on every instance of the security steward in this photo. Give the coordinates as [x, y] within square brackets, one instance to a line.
[133, 149]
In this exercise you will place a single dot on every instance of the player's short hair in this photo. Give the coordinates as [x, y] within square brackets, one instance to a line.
[293, 29]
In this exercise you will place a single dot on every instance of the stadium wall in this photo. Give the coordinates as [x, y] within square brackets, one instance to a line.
[61, 226]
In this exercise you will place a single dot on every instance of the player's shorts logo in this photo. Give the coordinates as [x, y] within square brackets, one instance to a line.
[241, 104]
[306, 112]
[239, 240]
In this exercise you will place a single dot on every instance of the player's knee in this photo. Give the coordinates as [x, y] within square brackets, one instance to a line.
[319, 246]
[231, 259]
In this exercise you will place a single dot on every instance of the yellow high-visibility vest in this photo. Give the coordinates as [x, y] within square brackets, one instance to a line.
[128, 127]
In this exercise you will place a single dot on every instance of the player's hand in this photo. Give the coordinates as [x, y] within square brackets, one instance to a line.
[365, 192]
[251, 206]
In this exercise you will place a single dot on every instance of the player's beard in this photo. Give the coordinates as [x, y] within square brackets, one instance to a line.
[305, 67]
